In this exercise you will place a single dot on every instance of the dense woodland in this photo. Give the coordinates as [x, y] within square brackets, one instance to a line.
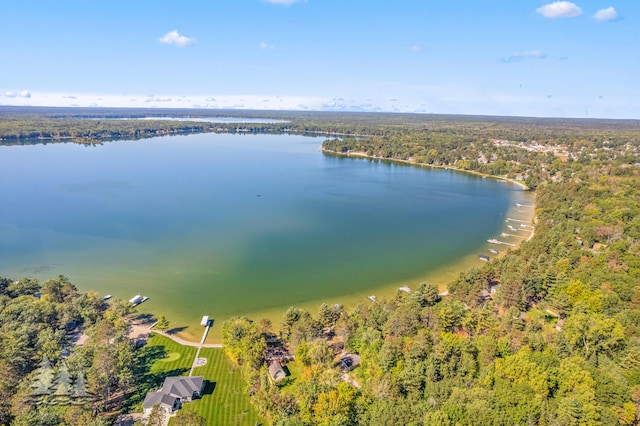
[47, 379]
[558, 343]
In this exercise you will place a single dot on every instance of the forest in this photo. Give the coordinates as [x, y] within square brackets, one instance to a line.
[546, 334]
[49, 376]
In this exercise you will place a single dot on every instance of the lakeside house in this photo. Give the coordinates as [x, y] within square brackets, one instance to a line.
[169, 404]
[174, 392]
[276, 371]
[348, 362]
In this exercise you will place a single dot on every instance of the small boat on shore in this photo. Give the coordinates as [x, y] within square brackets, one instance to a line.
[483, 257]
[372, 298]
[107, 297]
[493, 241]
[405, 289]
[494, 251]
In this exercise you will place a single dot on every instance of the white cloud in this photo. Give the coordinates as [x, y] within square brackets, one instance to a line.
[266, 46]
[608, 14]
[10, 94]
[157, 99]
[25, 94]
[174, 37]
[285, 2]
[417, 48]
[441, 99]
[516, 57]
[559, 9]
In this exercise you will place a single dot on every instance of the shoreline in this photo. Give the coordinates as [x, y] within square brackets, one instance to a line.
[415, 163]
[440, 277]
[184, 342]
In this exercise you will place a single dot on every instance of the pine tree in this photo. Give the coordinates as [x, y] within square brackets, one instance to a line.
[44, 381]
[79, 392]
[62, 385]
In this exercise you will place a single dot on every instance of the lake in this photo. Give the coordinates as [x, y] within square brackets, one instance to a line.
[224, 225]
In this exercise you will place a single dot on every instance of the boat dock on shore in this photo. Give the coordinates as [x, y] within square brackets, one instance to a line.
[138, 299]
[494, 241]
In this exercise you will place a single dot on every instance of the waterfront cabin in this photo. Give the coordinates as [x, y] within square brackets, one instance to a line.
[485, 296]
[348, 362]
[276, 371]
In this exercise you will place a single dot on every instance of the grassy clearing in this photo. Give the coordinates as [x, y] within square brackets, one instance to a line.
[295, 372]
[225, 400]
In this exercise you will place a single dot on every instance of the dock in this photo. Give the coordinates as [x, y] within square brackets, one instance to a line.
[138, 299]
[204, 337]
[517, 220]
[494, 241]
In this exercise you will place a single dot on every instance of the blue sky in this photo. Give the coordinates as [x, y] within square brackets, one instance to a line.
[495, 57]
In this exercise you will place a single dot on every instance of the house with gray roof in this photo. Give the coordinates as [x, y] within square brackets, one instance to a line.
[174, 392]
[276, 371]
[185, 388]
[166, 402]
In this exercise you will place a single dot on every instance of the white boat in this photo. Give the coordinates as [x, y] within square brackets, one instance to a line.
[494, 251]
[372, 298]
[107, 297]
[493, 241]
[406, 289]
[138, 299]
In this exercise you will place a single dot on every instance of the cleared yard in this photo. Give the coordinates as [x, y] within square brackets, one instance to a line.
[225, 400]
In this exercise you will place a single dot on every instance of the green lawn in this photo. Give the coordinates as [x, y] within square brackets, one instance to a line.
[295, 371]
[225, 400]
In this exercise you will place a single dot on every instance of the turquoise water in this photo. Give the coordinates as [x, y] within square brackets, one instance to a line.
[222, 225]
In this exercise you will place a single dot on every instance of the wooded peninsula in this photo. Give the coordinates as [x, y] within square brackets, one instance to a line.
[548, 333]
